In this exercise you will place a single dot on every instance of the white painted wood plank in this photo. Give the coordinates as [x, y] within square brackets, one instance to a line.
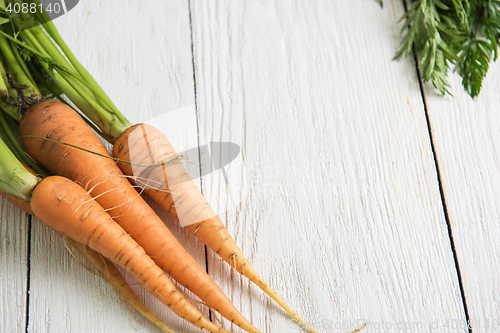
[13, 267]
[343, 213]
[466, 135]
[140, 53]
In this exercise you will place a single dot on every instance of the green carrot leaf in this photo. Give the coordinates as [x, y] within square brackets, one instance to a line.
[464, 34]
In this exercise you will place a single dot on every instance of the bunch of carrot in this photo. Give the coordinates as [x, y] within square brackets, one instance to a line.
[24, 179]
[69, 209]
[92, 197]
[102, 265]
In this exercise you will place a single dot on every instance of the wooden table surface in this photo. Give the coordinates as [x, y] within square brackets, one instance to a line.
[359, 194]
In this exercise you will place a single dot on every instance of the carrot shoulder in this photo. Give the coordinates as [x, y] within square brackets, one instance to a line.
[170, 186]
[56, 121]
[68, 209]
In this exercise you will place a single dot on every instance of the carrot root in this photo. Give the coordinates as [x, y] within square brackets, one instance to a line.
[145, 145]
[112, 275]
[359, 329]
[104, 267]
[58, 122]
[67, 208]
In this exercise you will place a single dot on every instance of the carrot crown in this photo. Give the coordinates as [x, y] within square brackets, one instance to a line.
[34, 58]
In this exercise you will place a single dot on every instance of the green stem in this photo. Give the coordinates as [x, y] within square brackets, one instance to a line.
[51, 29]
[9, 129]
[71, 85]
[91, 91]
[107, 121]
[28, 88]
[72, 78]
[14, 178]
[52, 90]
[4, 82]
[10, 109]
[42, 83]
[22, 64]
[36, 36]
[9, 137]
[103, 119]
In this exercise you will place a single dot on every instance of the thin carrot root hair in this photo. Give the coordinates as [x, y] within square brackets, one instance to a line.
[191, 299]
[138, 220]
[46, 138]
[89, 191]
[103, 266]
[214, 315]
[143, 142]
[12, 198]
[144, 183]
[91, 226]
[128, 202]
[110, 178]
[268, 290]
[67, 244]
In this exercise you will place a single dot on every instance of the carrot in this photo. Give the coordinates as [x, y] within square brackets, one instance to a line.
[70, 210]
[143, 145]
[56, 121]
[103, 266]
[82, 89]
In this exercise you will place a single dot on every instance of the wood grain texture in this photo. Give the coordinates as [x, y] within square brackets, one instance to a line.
[466, 135]
[343, 215]
[14, 230]
[334, 197]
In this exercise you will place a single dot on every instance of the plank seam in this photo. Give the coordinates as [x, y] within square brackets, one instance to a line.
[440, 185]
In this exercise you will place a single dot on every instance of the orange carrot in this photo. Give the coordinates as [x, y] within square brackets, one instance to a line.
[56, 121]
[82, 89]
[170, 186]
[104, 267]
[70, 210]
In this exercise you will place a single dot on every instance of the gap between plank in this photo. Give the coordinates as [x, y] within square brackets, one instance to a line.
[197, 127]
[440, 185]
